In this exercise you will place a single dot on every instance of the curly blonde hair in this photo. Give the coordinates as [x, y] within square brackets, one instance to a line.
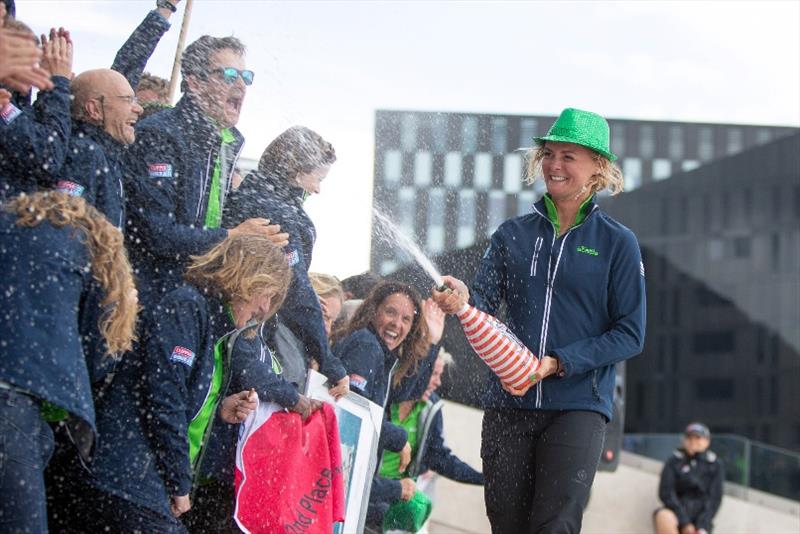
[414, 347]
[608, 175]
[242, 267]
[109, 259]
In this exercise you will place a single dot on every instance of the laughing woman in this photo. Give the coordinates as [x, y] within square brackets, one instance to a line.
[154, 420]
[572, 281]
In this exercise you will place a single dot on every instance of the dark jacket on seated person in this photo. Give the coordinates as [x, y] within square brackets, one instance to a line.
[691, 486]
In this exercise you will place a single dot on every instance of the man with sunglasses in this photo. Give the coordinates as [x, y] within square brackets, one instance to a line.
[179, 169]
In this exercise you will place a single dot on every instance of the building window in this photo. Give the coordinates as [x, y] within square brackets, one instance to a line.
[763, 135]
[497, 211]
[439, 132]
[525, 200]
[747, 203]
[388, 267]
[466, 218]
[662, 168]
[689, 165]
[713, 342]
[735, 141]
[618, 139]
[406, 209]
[512, 173]
[647, 141]
[469, 135]
[632, 170]
[499, 135]
[527, 131]
[423, 168]
[482, 179]
[408, 132]
[452, 169]
[714, 389]
[392, 166]
[716, 249]
[675, 148]
[741, 247]
[705, 147]
[436, 212]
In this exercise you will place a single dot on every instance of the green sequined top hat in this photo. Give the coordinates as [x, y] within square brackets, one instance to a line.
[582, 128]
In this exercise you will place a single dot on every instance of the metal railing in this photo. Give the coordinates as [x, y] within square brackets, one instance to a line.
[749, 463]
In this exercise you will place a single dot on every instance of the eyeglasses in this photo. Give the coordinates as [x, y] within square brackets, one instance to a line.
[131, 100]
[230, 74]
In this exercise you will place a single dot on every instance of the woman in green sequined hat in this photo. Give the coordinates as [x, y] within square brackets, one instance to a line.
[572, 282]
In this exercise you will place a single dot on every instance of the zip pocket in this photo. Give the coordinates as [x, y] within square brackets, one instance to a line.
[595, 388]
[536, 249]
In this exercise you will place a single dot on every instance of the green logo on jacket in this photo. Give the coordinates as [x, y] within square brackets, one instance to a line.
[587, 250]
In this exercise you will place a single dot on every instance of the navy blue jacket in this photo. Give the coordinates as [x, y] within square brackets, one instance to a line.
[33, 141]
[692, 487]
[45, 277]
[93, 170]
[169, 169]
[142, 453]
[579, 297]
[132, 58]
[270, 197]
[251, 367]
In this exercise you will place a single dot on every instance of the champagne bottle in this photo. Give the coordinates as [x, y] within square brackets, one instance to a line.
[498, 347]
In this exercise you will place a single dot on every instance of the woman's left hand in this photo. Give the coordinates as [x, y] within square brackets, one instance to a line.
[235, 408]
[434, 317]
[341, 389]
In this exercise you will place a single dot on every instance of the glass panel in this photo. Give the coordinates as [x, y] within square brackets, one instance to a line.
[392, 166]
[497, 210]
[499, 135]
[632, 171]
[705, 148]
[675, 142]
[525, 200]
[466, 218]
[662, 168]
[512, 173]
[527, 131]
[423, 168]
[763, 135]
[436, 212]
[452, 169]
[618, 139]
[689, 165]
[647, 141]
[406, 209]
[469, 135]
[439, 133]
[735, 141]
[482, 180]
[408, 132]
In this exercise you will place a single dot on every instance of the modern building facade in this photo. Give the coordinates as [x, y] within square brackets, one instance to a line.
[721, 249]
[449, 179]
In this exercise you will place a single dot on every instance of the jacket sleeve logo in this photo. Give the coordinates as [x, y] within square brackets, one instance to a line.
[70, 188]
[10, 112]
[182, 355]
[160, 170]
[358, 381]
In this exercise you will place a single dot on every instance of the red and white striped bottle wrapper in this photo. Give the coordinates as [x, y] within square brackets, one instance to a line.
[500, 349]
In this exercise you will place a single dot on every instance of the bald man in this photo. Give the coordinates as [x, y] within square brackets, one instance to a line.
[104, 111]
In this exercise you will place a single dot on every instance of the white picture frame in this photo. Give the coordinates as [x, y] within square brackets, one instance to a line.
[359, 423]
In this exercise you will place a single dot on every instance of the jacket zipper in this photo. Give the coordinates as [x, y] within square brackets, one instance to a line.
[536, 249]
[203, 187]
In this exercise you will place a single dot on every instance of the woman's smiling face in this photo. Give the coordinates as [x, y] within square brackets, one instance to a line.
[568, 169]
[393, 319]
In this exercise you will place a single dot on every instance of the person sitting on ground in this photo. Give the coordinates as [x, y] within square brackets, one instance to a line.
[691, 486]
[54, 246]
[291, 168]
[419, 413]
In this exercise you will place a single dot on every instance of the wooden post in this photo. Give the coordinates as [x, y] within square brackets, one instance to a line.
[176, 65]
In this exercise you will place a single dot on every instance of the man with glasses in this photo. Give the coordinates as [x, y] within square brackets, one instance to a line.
[179, 169]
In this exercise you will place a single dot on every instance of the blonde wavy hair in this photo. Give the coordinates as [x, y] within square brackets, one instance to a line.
[608, 175]
[242, 267]
[326, 286]
[109, 260]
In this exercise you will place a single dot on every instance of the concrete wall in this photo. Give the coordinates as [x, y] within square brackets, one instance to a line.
[621, 503]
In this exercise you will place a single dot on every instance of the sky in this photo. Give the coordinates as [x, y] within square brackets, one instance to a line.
[330, 65]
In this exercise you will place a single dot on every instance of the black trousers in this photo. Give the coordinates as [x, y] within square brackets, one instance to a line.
[539, 466]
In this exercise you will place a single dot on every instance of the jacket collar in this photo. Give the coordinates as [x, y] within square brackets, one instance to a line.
[111, 147]
[547, 208]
